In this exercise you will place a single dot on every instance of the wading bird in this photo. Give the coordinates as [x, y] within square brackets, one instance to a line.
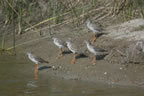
[60, 44]
[95, 29]
[94, 50]
[37, 60]
[74, 49]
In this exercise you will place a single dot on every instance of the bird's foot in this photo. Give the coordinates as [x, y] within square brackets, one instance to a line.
[73, 62]
[93, 63]
[93, 40]
[59, 56]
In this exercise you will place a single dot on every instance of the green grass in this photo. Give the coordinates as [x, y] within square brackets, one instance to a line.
[28, 12]
[129, 9]
[38, 13]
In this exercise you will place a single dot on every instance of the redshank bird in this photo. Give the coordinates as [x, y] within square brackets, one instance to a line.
[140, 45]
[60, 44]
[74, 49]
[95, 29]
[94, 50]
[37, 60]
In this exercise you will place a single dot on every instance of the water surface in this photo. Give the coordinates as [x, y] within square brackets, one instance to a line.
[16, 79]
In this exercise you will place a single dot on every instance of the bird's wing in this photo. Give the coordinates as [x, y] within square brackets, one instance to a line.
[74, 47]
[98, 27]
[40, 59]
[62, 42]
[78, 49]
[99, 49]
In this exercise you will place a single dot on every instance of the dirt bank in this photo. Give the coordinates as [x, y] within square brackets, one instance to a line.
[112, 69]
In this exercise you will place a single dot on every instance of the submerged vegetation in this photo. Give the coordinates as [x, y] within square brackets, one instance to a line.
[33, 14]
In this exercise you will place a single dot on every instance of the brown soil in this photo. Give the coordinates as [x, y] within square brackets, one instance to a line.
[113, 69]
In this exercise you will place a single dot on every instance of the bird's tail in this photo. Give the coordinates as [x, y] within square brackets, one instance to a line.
[100, 34]
[103, 53]
[46, 62]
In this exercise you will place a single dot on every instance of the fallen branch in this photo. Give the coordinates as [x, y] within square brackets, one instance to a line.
[26, 43]
[120, 52]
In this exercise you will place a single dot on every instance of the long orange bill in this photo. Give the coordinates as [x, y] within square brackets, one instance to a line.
[94, 60]
[36, 72]
[74, 58]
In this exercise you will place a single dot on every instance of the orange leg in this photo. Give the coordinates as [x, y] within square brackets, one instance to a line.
[36, 72]
[74, 58]
[60, 54]
[93, 39]
[94, 60]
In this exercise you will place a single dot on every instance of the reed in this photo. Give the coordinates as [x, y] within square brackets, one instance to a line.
[29, 12]
[14, 10]
[25, 13]
[129, 8]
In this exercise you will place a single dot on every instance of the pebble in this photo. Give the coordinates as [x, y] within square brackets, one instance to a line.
[105, 73]
[121, 68]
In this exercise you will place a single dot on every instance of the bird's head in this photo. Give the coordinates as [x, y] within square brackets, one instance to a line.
[140, 46]
[87, 41]
[54, 38]
[88, 21]
[68, 41]
[29, 53]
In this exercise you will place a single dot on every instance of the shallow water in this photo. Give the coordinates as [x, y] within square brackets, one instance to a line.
[16, 79]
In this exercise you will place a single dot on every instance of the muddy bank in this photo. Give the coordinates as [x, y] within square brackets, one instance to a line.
[112, 69]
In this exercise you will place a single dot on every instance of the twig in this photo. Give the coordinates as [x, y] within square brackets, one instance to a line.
[108, 14]
[26, 43]
[44, 21]
[120, 52]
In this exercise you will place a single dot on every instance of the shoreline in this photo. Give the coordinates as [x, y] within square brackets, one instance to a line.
[110, 70]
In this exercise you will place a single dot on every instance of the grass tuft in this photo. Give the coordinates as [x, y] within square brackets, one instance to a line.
[129, 8]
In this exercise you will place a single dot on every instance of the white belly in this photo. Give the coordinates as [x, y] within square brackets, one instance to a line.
[59, 45]
[70, 48]
[91, 49]
[93, 29]
[33, 59]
